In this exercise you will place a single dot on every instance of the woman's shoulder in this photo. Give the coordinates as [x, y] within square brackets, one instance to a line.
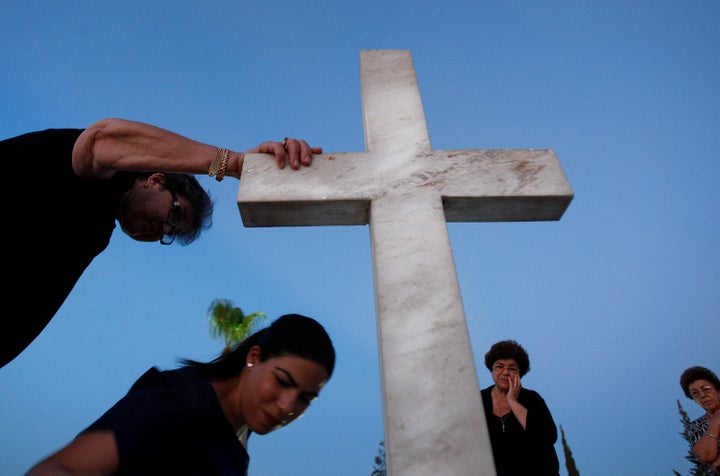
[44, 136]
[183, 380]
[530, 394]
[700, 422]
[180, 391]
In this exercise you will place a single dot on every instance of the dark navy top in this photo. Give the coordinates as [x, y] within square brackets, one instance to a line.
[171, 423]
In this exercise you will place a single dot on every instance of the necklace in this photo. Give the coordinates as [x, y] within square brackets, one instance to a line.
[502, 421]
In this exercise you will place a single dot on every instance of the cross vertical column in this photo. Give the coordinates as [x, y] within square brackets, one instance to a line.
[432, 409]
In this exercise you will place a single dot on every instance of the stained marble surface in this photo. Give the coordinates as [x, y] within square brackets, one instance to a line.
[406, 191]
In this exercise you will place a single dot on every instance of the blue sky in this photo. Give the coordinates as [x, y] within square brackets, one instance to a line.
[612, 302]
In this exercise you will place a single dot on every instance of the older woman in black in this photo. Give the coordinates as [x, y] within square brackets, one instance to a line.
[78, 183]
[703, 386]
[522, 430]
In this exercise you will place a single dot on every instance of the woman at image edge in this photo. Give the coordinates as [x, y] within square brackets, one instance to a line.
[703, 386]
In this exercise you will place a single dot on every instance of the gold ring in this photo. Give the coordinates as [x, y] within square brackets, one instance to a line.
[284, 142]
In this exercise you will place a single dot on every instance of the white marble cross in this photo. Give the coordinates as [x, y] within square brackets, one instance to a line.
[434, 421]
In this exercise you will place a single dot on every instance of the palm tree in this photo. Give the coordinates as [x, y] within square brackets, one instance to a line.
[230, 323]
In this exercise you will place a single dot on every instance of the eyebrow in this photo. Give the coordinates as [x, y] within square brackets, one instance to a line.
[704, 388]
[289, 376]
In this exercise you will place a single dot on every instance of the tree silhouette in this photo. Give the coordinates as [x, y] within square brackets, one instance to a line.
[698, 468]
[569, 460]
[379, 466]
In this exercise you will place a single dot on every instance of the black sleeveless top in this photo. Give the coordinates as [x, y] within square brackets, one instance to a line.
[54, 225]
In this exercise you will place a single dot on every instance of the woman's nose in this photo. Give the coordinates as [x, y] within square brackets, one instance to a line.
[287, 404]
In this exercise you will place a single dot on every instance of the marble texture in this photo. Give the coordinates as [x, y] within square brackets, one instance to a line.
[406, 191]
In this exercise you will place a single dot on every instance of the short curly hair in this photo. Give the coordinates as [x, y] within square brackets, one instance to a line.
[697, 373]
[508, 349]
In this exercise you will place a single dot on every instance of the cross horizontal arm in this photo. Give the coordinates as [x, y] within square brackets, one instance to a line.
[475, 186]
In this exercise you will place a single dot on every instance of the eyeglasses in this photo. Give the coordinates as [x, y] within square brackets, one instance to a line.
[500, 367]
[704, 389]
[175, 216]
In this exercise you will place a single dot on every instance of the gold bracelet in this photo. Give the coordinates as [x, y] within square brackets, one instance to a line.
[223, 165]
[218, 165]
[214, 164]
